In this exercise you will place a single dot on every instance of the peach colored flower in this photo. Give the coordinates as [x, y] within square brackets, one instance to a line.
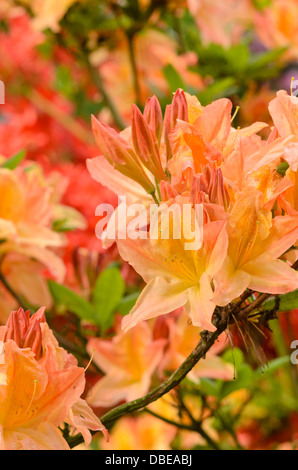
[28, 212]
[40, 387]
[143, 432]
[284, 112]
[256, 241]
[48, 13]
[276, 26]
[183, 338]
[129, 360]
[27, 277]
[233, 175]
[221, 23]
[175, 276]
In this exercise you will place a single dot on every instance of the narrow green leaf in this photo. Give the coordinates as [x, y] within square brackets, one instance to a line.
[287, 302]
[71, 301]
[173, 78]
[107, 294]
[274, 365]
[127, 303]
[14, 161]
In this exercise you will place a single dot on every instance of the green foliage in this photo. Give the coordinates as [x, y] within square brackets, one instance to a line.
[245, 376]
[13, 162]
[126, 303]
[107, 299]
[287, 302]
[108, 292]
[67, 299]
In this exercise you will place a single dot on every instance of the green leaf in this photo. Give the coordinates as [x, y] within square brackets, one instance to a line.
[287, 302]
[211, 387]
[173, 78]
[71, 301]
[234, 356]
[127, 303]
[261, 4]
[218, 89]
[274, 365]
[243, 372]
[282, 168]
[107, 294]
[244, 379]
[14, 161]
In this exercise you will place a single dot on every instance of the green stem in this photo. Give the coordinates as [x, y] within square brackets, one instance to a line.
[196, 427]
[134, 68]
[97, 80]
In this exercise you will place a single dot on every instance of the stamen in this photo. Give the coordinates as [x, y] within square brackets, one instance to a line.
[91, 359]
[235, 113]
[292, 81]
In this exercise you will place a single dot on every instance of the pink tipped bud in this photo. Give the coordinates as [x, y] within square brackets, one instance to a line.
[167, 191]
[145, 144]
[17, 326]
[25, 331]
[33, 338]
[119, 154]
[153, 116]
[115, 149]
[198, 190]
[212, 183]
[179, 108]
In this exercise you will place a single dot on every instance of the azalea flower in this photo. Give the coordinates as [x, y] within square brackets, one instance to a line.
[40, 388]
[284, 109]
[28, 278]
[276, 27]
[129, 361]
[48, 13]
[175, 276]
[143, 432]
[30, 227]
[256, 242]
[233, 175]
[182, 339]
[221, 23]
[40, 122]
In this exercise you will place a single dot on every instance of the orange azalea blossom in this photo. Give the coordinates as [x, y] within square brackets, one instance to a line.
[28, 213]
[129, 361]
[27, 277]
[40, 387]
[276, 27]
[47, 13]
[221, 23]
[256, 241]
[233, 174]
[143, 432]
[284, 112]
[182, 339]
[175, 276]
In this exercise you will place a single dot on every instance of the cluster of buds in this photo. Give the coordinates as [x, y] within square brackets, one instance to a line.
[25, 331]
[138, 152]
